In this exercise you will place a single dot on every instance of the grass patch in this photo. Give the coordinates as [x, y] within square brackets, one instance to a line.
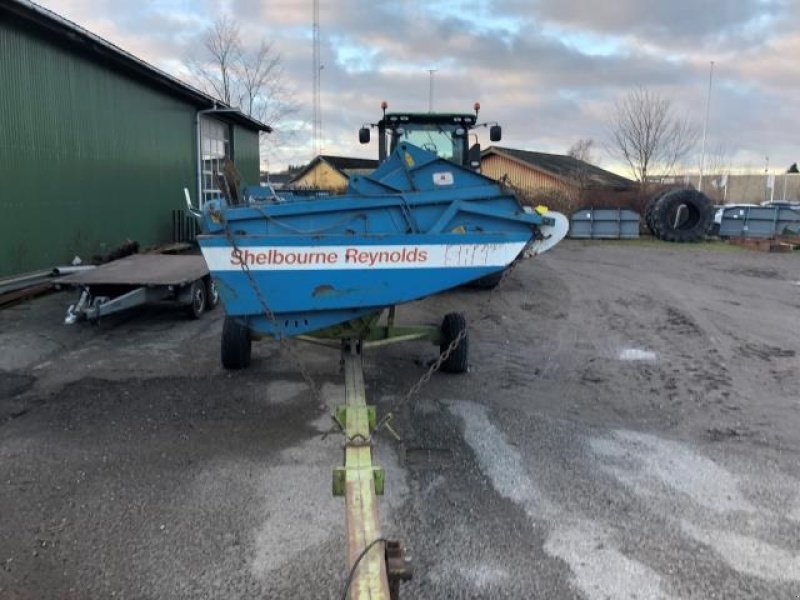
[651, 242]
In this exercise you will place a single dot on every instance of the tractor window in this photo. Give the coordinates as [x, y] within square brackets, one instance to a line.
[433, 138]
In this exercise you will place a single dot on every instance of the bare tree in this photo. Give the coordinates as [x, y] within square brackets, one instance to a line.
[717, 165]
[215, 72]
[581, 151]
[647, 134]
[250, 78]
[718, 160]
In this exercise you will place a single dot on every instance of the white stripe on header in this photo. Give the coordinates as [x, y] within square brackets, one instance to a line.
[303, 258]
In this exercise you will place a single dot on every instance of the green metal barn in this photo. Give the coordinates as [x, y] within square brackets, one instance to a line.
[96, 146]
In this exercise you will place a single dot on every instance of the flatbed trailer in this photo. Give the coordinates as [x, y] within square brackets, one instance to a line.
[142, 279]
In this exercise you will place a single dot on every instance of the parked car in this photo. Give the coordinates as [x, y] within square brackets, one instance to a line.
[783, 204]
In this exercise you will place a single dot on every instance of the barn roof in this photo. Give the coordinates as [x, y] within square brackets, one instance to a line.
[563, 167]
[346, 165]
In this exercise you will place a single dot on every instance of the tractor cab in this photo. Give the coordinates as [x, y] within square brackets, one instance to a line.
[445, 134]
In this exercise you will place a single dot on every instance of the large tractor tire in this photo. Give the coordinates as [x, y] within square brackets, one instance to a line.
[682, 216]
[650, 209]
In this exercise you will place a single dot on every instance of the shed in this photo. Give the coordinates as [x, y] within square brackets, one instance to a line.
[97, 145]
[535, 172]
[331, 173]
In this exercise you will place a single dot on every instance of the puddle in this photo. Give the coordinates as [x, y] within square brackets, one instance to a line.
[636, 354]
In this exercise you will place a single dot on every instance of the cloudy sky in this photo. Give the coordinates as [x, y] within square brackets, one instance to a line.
[548, 70]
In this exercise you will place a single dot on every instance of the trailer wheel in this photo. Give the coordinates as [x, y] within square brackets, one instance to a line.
[236, 344]
[212, 294]
[197, 300]
[452, 325]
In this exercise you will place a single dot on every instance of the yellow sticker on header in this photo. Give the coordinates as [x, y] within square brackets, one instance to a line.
[409, 160]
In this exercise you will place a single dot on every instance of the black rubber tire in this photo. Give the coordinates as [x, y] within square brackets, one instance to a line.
[198, 296]
[699, 216]
[650, 208]
[212, 295]
[236, 347]
[452, 325]
[487, 282]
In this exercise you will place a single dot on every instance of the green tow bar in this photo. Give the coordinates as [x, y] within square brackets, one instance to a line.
[359, 481]
[377, 565]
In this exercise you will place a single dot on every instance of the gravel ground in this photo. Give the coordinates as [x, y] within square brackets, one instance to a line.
[629, 428]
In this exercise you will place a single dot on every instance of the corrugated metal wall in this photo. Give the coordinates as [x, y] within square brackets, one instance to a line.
[522, 177]
[245, 154]
[89, 158]
[744, 188]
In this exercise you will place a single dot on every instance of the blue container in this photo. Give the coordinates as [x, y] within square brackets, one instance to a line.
[417, 226]
[604, 223]
[758, 221]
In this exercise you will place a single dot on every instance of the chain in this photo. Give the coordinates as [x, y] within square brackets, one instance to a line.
[282, 340]
[385, 422]
[435, 366]
[511, 268]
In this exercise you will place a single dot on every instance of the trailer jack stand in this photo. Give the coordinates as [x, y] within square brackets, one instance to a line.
[398, 567]
[381, 569]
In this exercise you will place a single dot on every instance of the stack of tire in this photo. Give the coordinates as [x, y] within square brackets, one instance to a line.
[679, 215]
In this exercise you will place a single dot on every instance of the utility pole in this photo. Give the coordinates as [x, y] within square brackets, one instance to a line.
[705, 127]
[316, 68]
[766, 178]
[430, 90]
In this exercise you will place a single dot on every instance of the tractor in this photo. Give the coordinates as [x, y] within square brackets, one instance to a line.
[445, 134]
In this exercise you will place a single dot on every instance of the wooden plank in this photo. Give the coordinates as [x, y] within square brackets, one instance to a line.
[789, 239]
[764, 244]
[10, 298]
[143, 269]
[370, 580]
[781, 247]
[171, 248]
[761, 245]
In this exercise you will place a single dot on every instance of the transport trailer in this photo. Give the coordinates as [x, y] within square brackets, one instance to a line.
[326, 270]
[142, 279]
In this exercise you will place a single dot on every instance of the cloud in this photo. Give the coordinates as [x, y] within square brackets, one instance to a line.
[678, 19]
[548, 70]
